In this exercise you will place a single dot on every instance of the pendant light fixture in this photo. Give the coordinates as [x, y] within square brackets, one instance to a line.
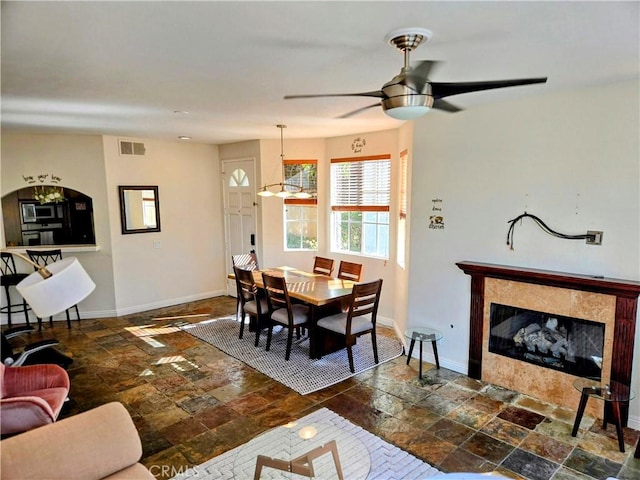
[286, 189]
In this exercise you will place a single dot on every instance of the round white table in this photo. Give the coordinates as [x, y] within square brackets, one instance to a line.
[276, 452]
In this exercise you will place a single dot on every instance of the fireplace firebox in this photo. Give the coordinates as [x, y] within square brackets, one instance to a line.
[571, 345]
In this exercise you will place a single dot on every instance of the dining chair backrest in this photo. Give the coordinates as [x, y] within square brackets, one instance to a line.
[365, 298]
[247, 260]
[247, 289]
[282, 311]
[323, 266]
[277, 293]
[45, 257]
[251, 302]
[350, 271]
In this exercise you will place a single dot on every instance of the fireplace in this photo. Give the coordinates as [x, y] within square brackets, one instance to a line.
[612, 303]
[567, 344]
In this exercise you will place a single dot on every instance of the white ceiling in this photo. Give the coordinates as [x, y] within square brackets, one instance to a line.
[124, 68]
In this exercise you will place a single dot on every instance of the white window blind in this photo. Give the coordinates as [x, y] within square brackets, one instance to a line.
[361, 183]
[404, 158]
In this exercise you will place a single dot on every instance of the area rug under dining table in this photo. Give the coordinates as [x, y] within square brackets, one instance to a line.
[301, 373]
[384, 460]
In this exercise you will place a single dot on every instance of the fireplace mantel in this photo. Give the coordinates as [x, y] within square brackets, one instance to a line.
[626, 298]
[589, 283]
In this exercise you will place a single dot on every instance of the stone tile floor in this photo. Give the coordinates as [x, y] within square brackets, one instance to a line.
[191, 402]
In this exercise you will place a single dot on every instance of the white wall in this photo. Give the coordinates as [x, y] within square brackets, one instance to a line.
[189, 261]
[79, 161]
[573, 159]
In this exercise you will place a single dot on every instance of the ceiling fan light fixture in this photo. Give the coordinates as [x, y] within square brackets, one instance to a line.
[407, 107]
[410, 112]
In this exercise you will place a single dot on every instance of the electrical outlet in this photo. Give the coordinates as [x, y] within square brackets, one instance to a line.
[595, 238]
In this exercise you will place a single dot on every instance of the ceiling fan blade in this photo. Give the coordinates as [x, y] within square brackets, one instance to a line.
[423, 68]
[376, 93]
[354, 112]
[446, 106]
[441, 90]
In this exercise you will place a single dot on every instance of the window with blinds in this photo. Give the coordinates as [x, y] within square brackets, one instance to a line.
[402, 222]
[404, 158]
[301, 214]
[360, 198]
[302, 173]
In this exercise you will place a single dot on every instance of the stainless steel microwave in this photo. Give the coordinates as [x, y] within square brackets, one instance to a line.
[35, 212]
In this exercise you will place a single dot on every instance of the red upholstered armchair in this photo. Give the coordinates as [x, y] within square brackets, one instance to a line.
[31, 396]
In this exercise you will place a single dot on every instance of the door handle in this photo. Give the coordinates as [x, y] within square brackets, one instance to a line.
[253, 239]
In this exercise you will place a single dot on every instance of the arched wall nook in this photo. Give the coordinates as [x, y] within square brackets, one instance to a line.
[48, 215]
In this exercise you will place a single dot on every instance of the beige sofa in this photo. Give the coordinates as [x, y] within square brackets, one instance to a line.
[99, 443]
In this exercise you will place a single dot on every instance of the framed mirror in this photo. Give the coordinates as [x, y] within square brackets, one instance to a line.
[139, 209]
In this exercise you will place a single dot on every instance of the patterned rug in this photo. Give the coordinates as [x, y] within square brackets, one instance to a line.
[377, 459]
[301, 373]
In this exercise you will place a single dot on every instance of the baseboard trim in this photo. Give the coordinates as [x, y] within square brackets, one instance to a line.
[90, 314]
[169, 303]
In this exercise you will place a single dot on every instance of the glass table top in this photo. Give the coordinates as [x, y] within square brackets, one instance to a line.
[423, 334]
[294, 439]
[610, 392]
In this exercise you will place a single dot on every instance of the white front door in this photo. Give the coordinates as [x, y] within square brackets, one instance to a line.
[239, 189]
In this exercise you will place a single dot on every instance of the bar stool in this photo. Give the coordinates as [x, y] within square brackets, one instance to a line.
[44, 258]
[10, 278]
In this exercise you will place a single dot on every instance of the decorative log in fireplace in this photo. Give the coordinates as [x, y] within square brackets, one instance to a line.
[625, 293]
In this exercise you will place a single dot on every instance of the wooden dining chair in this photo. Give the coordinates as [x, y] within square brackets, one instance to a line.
[282, 311]
[251, 303]
[364, 300]
[350, 271]
[247, 260]
[323, 266]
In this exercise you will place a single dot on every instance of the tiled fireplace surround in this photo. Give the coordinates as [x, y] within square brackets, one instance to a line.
[609, 301]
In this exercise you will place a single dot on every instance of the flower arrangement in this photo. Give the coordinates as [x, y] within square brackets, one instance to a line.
[48, 194]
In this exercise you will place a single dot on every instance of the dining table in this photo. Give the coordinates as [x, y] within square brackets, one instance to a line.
[323, 294]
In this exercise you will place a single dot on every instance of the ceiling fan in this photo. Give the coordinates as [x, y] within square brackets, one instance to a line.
[411, 94]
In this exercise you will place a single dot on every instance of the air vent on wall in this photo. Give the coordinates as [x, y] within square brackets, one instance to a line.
[131, 148]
